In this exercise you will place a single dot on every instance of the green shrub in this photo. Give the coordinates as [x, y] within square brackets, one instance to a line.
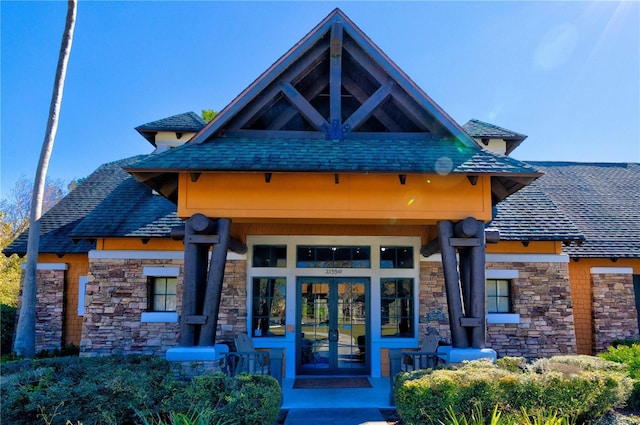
[575, 387]
[243, 400]
[105, 390]
[129, 389]
[7, 328]
[628, 354]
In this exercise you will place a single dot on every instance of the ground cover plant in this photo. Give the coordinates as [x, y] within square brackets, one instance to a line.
[577, 389]
[130, 390]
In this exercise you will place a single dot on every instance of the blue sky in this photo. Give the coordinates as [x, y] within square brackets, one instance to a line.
[567, 74]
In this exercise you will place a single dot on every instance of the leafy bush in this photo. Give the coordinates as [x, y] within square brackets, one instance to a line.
[574, 387]
[243, 400]
[7, 327]
[91, 390]
[128, 389]
[628, 355]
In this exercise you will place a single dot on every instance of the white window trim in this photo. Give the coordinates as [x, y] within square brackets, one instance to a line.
[82, 293]
[159, 317]
[611, 270]
[155, 271]
[495, 318]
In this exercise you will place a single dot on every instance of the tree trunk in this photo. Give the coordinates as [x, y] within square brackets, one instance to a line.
[25, 343]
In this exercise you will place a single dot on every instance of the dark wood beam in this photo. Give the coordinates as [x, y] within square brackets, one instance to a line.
[418, 116]
[352, 88]
[309, 60]
[365, 61]
[473, 180]
[194, 176]
[335, 73]
[306, 109]
[213, 293]
[430, 248]
[275, 134]
[283, 118]
[366, 109]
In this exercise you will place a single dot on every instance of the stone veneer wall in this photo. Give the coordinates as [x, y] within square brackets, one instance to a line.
[614, 308]
[49, 309]
[541, 296]
[117, 296]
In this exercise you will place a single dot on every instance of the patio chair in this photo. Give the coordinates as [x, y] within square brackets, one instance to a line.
[425, 358]
[247, 359]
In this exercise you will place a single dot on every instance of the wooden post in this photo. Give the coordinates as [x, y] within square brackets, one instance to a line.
[459, 337]
[189, 285]
[213, 293]
[478, 290]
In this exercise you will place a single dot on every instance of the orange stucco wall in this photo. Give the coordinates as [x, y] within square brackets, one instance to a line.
[357, 198]
[582, 295]
[155, 244]
[78, 265]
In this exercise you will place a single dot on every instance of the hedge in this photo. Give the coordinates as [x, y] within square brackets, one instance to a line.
[576, 387]
[115, 390]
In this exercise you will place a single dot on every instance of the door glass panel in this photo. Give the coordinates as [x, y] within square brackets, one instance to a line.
[351, 325]
[314, 305]
[332, 323]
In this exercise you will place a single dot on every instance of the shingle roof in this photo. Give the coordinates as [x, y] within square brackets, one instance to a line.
[603, 201]
[529, 215]
[130, 210]
[188, 121]
[480, 129]
[428, 155]
[59, 221]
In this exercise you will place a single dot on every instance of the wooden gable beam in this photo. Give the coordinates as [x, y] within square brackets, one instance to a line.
[335, 74]
[282, 119]
[365, 61]
[418, 115]
[366, 109]
[362, 97]
[304, 107]
[310, 60]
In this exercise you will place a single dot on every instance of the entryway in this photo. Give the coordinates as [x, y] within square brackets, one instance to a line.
[332, 316]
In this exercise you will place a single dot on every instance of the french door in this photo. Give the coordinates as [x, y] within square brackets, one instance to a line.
[332, 319]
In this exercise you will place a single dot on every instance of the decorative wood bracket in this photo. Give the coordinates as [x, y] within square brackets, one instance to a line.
[267, 177]
[473, 180]
[194, 176]
[403, 178]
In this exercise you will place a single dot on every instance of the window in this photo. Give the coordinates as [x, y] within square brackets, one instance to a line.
[498, 296]
[396, 308]
[269, 306]
[392, 257]
[334, 257]
[82, 292]
[270, 256]
[162, 295]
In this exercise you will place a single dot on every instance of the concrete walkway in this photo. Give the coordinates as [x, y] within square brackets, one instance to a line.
[349, 398]
[343, 416]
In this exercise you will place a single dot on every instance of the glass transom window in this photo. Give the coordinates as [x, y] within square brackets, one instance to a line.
[333, 257]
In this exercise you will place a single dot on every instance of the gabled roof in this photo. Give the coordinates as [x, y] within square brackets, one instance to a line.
[109, 203]
[335, 81]
[603, 201]
[130, 210]
[186, 122]
[484, 130]
[59, 221]
[529, 215]
[334, 102]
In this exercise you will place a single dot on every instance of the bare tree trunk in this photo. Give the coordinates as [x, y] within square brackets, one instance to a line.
[25, 343]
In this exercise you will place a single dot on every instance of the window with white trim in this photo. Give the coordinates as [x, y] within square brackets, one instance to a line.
[396, 308]
[499, 296]
[162, 293]
[82, 292]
